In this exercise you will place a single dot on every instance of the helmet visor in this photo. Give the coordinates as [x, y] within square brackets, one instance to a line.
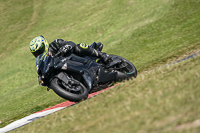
[39, 51]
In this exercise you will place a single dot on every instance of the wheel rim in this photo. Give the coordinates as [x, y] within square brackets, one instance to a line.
[72, 88]
[125, 67]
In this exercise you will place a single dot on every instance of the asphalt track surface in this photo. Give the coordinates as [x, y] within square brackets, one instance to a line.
[47, 111]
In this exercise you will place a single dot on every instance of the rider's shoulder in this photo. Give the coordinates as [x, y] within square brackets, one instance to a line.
[62, 42]
[58, 41]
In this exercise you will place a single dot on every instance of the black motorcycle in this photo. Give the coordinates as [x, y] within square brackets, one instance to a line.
[73, 77]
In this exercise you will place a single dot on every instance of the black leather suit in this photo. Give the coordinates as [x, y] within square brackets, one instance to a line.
[79, 49]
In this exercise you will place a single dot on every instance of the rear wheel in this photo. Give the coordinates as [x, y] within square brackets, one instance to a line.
[73, 91]
[125, 69]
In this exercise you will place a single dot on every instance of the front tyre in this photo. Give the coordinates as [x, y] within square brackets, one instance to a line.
[74, 91]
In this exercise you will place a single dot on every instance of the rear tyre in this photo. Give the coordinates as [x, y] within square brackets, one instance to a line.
[126, 69]
[74, 91]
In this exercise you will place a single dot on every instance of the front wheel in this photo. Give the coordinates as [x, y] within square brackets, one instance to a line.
[73, 91]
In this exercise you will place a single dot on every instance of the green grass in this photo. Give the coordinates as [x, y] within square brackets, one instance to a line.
[148, 33]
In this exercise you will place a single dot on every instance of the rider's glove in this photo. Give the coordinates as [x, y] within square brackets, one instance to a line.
[65, 49]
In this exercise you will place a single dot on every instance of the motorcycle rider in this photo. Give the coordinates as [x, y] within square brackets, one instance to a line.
[39, 46]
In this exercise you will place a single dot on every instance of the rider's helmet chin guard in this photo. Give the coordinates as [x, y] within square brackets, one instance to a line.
[38, 46]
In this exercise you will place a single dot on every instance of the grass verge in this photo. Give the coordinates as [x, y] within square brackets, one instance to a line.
[163, 100]
[148, 33]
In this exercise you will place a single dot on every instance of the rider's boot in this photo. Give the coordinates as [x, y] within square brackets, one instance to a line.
[93, 50]
[98, 46]
[105, 57]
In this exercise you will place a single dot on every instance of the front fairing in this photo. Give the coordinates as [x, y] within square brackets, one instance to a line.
[43, 64]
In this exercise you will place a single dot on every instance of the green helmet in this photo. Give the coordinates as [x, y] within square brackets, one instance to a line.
[38, 46]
